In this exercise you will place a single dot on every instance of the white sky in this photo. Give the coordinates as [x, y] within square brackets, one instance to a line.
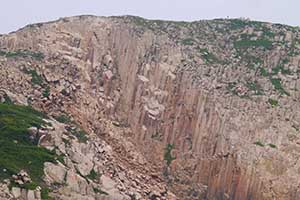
[15, 14]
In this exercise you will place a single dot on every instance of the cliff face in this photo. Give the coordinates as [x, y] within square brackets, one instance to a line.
[206, 109]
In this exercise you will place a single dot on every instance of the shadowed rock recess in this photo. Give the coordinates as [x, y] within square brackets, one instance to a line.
[150, 109]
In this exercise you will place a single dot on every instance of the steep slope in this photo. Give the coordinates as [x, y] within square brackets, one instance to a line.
[207, 109]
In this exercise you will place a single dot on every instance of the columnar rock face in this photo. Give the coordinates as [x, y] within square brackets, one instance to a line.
[207, 109]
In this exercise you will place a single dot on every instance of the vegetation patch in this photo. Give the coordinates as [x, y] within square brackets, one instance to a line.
[45, 194]
[246, 43]
[280, 68]
[67, 142]
[80, 135]
[46, 92]
[99, 191]
[272, 146]
[27, 186]
[273, 102]
[231, 87]
[276, 82]
[188, 41]
[139, 21]
[255, 87]
[263, 72]
[63, 119]
[155, 25]
[93, 175]
[238, 23]
[259, 143]
[75, 130]
[7, 100]
[18, 151]
[207, 56]
[22, 53]
[252, 61]
[168, 156]
[36, 79]
[268, 33]
[242, 23]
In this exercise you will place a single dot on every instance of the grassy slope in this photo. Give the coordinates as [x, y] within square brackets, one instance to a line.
[17, 151]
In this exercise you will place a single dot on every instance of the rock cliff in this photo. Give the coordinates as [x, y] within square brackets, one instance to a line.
[150, 109]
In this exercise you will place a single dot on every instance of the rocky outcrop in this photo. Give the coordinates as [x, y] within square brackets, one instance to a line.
[173, 110]
[18, 193]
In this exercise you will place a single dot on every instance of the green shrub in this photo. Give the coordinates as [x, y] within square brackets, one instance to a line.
[46, 92]
[67, 142]
[63, 119]
[60, 158]
[80, 135]
[276, 82]
[263, 72]
[45, 194]
[2, 53]
[36, 79]
[30, 186]
[272, 146]
[93, 175]
[273, 102]
[168, 156]
[259, 143]
[99, 191]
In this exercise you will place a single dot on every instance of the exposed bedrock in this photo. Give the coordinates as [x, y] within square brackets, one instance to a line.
[177, 109]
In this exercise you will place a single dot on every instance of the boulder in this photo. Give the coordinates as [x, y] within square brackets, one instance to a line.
[30, 195]
[109, 186]
[16, 192]
[55, 173]
[15, 98]
[76, 183]
[33, 131]
[107, 60]
[108, 74]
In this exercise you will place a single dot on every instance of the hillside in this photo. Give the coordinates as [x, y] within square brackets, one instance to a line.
[151, 109]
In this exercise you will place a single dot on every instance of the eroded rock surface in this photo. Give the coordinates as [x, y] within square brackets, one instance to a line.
[172, 110]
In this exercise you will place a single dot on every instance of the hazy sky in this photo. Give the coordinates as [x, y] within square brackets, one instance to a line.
[15, 14]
